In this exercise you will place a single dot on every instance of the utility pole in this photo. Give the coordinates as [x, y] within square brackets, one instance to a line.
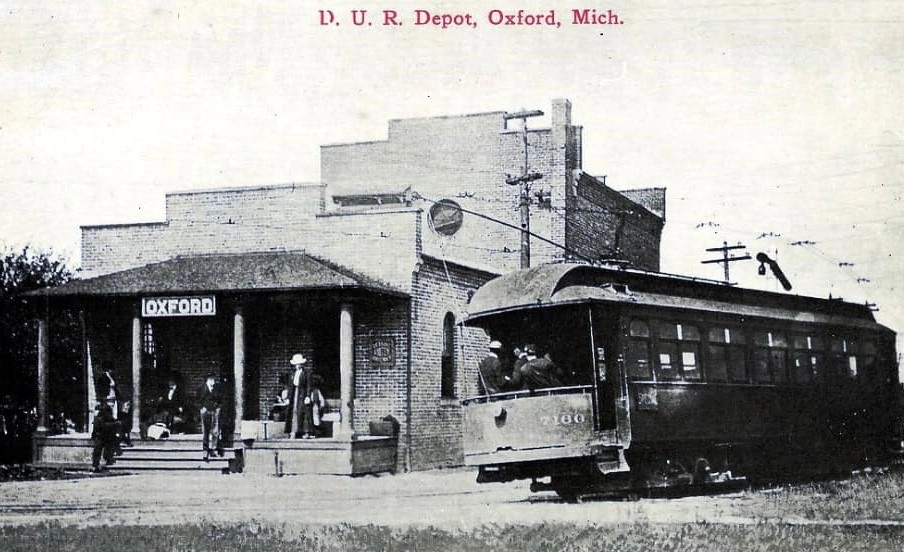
[523, 182]
[725, 260]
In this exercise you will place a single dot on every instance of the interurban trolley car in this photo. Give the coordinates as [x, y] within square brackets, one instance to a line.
[668, 381]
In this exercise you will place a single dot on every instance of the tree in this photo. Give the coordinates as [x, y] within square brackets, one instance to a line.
[22, 271]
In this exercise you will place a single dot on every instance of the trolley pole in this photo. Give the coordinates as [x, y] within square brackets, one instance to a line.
[523, 183]
[725, 260]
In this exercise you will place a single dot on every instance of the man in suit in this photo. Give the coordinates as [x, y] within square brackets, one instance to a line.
[491, 378]
[104, 436]
[540, 372]
[211, 402]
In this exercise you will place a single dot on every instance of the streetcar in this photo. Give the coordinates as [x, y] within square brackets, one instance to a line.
[664, 381]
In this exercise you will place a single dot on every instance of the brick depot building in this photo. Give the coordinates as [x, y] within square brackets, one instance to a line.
[365, 273]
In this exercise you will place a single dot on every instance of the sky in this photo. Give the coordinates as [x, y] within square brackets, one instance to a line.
[777, 125]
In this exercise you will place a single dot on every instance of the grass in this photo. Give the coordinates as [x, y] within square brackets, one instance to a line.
[776, 514]
[25, 472]
[542, 537]
[865, 496]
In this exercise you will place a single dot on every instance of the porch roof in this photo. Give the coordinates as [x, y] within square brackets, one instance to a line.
[266, 271]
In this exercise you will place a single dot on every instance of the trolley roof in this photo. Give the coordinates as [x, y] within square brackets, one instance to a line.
[561, 284]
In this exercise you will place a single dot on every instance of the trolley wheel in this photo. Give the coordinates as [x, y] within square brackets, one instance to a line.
[569, 489]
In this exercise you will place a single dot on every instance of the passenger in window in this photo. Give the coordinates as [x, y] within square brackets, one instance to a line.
[512, 378]
[491, 378]
[540, 372]
[520, 359]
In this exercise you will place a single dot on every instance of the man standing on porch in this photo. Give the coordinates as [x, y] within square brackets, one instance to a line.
[211, 403]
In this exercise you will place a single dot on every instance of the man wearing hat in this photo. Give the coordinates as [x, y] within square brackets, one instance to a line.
[489, 371]
[540, 372]
[304, 398]
[211, 403]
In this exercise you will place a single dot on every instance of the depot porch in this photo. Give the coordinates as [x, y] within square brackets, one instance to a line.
[241, 318]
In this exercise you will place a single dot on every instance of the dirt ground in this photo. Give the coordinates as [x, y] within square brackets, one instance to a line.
[449, 499]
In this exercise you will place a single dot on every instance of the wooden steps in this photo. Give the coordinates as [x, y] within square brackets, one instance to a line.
[169, 455]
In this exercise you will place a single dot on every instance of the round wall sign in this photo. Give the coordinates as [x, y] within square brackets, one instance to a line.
[445, 217]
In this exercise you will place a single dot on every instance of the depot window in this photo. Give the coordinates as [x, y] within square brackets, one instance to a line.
[149, 345]
[678, 351]
[726, 355]
[447, 361]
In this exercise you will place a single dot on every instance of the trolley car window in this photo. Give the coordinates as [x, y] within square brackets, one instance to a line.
[769, 357]
[540, 349]
[725, 355]
[807, 358]
[779, 365]
[638, 359]
[679, 351]
[804, 368]
[668, 357]
[737, 362]
[690, 368]
[808, 342]
[688, 362]
[845, 351]
[761, 366]
[639, 328]
[717, 363]
[867, 361]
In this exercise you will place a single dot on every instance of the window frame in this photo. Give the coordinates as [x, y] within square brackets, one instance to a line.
[447, 358]
[732, 346]
[638, 338]
[686, 340]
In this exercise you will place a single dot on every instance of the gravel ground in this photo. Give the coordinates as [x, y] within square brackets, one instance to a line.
[447, 499]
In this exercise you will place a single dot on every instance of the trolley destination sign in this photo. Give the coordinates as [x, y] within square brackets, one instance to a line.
[157, 307]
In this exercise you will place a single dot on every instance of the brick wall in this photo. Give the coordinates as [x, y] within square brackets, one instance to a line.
[467, 159]
[651, 198]
[380, 387]
[603, 223]
[194, 347]
[281, 329]
[381, 244]
[440, 288]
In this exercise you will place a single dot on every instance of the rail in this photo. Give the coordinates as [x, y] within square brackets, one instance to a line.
[547, 391]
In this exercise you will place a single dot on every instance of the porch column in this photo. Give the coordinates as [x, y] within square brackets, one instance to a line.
[136, 375]
[238, 367]
[42, 376]
[346, 368]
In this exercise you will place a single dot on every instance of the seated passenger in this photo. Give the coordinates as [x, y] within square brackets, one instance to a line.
[540, 373]
[520, 358]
